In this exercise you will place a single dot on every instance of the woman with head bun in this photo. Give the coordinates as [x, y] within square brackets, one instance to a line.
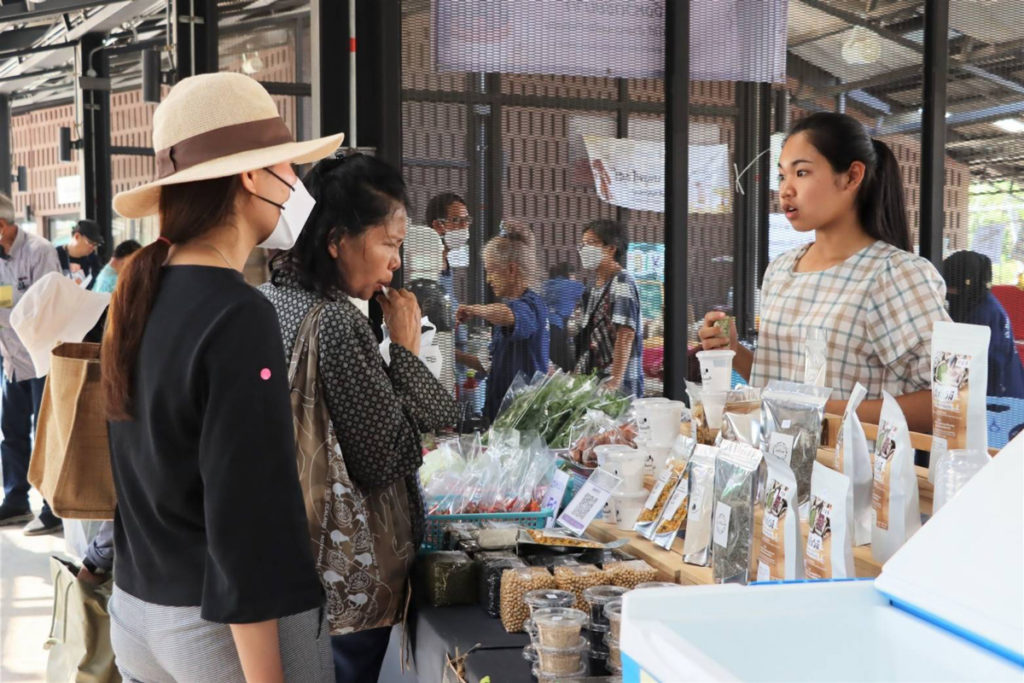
[520, 340]
[214, 576]
[859, 281]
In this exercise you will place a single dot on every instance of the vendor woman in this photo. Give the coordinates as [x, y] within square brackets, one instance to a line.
[520, 341]
[858, 281]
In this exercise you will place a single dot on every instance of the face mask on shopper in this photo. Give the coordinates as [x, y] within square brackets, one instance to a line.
[591, 256]
[459, 258]
[294, 213]
[456, 239]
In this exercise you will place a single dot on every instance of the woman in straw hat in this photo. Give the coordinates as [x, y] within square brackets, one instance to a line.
[214, 579]
[367, 451]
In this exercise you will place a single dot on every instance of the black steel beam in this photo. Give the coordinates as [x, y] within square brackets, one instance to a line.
[93, 114]
[5, 145]
[132, 151]
[14, 12]
[195, 37]
[677, 145]
[494, 155]
[329, 27]
[290, 89]
[379, 73]
[622, 132]
[933, 129]
[766, 103]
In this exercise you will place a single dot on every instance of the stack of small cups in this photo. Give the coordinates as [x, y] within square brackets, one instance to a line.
[559, 644]
[542, 601]
[613, 615]
[596, 598]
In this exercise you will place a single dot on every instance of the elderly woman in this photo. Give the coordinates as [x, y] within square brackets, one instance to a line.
[358, 458]
[519, 342]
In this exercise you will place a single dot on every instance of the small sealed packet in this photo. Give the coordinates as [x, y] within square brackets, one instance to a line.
[674, 516]
[829, 551]
[697, 543]
[780, 555]
[663, 487]
[894, 495]
[736, 482]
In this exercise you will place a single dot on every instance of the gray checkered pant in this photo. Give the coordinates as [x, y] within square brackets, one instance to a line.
[160, 644]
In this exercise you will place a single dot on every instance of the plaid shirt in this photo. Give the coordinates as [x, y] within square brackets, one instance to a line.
[877, 309]
[621, 308]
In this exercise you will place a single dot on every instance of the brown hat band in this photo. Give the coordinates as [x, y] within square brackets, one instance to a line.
[221, 142]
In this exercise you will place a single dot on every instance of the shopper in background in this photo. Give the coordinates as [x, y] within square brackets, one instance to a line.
[24, 259]
[610, 341]
[858, 280]
[107, 279]
[78, 257]
[214, 578]
[351, 247]
[562, 292]
[968, 276]
[520, 338]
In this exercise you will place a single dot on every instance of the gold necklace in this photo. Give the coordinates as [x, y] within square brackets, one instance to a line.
[219, 253]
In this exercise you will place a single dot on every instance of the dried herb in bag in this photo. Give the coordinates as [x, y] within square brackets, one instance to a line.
[697, 543]
[674, 515]
[451, 578]
[894, 495]
[736, 478]
[853, 458]
[664, 485]
[829, 551]
[780, 553]
[791, 418]
[959, 388]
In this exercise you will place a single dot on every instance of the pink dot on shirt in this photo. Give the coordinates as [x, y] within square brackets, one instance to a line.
[265, 374]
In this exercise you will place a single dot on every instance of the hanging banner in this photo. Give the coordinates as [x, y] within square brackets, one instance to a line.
[730, 40]
[631, 174]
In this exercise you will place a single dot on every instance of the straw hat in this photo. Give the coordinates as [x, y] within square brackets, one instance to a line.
[213, 126]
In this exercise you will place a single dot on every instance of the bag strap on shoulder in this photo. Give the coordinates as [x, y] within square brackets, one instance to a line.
[308, 334]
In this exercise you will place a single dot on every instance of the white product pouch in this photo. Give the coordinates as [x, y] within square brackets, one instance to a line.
[959, 389]
[896, 511]
[697, 542]
[430, 353]
[780, 556]
[853, 458]
[830, 534]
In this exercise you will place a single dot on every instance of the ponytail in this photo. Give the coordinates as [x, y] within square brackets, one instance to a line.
[187, 211]
[881, 206]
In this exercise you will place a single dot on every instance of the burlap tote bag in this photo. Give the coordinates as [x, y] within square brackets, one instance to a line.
[362, 541]
[79, 643]
[71, 459]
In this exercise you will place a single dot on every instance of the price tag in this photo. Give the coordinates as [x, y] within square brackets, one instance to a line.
[555, 494]
[722, 514]
[588, 501]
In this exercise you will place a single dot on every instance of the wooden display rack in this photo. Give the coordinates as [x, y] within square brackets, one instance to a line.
[670, 565]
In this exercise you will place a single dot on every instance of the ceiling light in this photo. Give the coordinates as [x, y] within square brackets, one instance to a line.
[862, 46]
[1010, 125]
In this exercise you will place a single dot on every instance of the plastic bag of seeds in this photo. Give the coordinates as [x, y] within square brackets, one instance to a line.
[736, 483]
[491, 568]
[630, 573]
[697, 543]
[577, 579]
[515, 584]
[664, 485]
[674, 516]
[450, 578]
[791, 416]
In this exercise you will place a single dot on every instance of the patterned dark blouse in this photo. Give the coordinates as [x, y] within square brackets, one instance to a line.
[378, 412]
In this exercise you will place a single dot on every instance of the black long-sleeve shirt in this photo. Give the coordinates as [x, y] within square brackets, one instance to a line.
[209, 508]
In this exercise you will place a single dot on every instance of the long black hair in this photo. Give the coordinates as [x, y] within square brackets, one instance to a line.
[352, 193]
[970, 274]
[881, 206]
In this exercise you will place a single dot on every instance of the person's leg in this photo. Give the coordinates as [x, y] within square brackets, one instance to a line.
[359, 656]
[37, 385]
[15, 450]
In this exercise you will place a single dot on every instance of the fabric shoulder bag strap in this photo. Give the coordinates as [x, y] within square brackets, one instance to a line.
[585, 362]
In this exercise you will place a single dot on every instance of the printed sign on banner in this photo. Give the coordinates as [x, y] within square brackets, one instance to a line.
[631, 174]
[610, 38]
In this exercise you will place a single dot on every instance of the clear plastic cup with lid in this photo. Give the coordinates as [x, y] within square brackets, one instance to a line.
[613, 614]
[597, 597]
[563, 661]
[656, 584]
[558, 627]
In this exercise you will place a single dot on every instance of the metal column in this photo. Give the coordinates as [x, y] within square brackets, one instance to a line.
[379, 26]
[5, 145]
[330, 67]
[195, 37]
[933, 128]
[677, 134]
[93, 115]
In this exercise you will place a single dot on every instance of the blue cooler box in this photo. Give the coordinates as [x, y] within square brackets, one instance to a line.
[948, 606]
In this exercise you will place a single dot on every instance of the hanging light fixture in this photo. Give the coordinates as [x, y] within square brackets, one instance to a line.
[862, 46]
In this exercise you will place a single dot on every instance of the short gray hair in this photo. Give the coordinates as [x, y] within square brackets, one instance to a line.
[6, 208]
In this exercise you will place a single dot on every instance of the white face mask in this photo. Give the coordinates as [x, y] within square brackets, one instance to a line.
[459, 258]
[591, 256]
[294, 213]
[456, 239]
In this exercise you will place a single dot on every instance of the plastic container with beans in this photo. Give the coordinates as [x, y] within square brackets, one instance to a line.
[613, 613]
[559, 627]
[563, 661]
